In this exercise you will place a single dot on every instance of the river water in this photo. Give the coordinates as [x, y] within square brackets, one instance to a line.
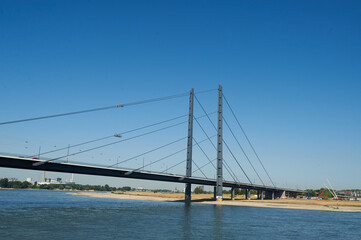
[32, 214]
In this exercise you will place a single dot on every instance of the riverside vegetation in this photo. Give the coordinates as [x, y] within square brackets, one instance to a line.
[5, 183]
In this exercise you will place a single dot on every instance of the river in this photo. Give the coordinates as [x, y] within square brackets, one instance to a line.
[35, 214]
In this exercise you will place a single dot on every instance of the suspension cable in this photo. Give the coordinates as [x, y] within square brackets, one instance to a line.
[244, 133]
[205, 165]
[99, 109]
[104, 108]
[199, 169]
[229, 170]
[234, 157]
[142, 154]
[209, 160]
[205, 133]
[111, 136]
[172, 155]
[243, 150]
[151, 163]
[205, 113]
[174, 166]
[105, 145]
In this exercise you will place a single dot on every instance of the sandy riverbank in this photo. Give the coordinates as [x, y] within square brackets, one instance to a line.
[304, 204]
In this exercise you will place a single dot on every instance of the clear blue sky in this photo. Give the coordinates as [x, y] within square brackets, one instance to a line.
[291, 70]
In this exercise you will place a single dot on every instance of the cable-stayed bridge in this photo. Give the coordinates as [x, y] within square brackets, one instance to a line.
[226, 172]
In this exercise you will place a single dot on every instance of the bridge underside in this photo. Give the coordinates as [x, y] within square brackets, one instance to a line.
[26, 163]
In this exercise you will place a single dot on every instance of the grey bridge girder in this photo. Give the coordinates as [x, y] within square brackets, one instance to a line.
[26, 163]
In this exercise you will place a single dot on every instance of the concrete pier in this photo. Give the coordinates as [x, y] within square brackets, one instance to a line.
[248, 194]
[271, 194]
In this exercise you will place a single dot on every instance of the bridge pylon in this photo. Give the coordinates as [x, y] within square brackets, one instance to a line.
[188, 190]
[219, 186]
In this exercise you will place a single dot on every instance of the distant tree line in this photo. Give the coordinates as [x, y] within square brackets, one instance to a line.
[5, 183]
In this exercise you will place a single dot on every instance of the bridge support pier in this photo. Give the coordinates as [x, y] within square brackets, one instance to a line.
[261, 195]
[258, 194]
[188, 192]
[215, 193]
[232, 193]
[272, 194]
[248, 194]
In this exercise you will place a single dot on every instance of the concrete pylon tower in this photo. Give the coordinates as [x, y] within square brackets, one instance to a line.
[188, 190]
[219, 184]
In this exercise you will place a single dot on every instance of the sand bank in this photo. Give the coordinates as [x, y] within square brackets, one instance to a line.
[123, 196]
[205, 199]
[276, 204]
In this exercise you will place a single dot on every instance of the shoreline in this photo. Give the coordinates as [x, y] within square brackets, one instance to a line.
[55, 189]
[279, 203]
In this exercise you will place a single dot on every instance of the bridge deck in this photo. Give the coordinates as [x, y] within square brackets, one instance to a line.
[27, 163]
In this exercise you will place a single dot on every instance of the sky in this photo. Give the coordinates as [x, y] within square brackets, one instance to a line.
[291, 71]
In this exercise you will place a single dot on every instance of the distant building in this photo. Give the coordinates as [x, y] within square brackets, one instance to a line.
[349, 195]
[71, 182]
[51, 181]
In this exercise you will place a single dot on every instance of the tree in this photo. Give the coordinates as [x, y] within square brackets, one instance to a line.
[4, 182]
[17, 184]
[198, 190]
[27, 184]
[125, 189]
[237, 191]
[311, 192]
